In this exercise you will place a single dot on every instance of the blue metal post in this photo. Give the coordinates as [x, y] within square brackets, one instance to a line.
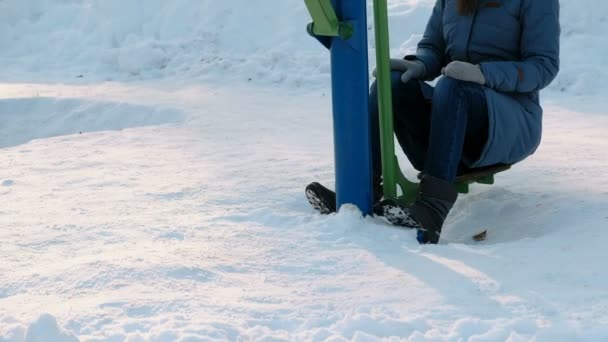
[350, 89]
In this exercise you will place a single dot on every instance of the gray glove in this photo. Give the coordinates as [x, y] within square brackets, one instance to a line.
[410, 69]
[465, 72]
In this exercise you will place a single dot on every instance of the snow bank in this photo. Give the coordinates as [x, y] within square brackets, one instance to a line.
[44, 329]
[35, 118]
[584, 47]
[234, 41]
[207, 39]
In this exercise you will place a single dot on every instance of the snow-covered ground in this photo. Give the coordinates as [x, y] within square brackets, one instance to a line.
[154, 157]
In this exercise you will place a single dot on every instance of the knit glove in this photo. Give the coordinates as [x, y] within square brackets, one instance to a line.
[410, 69]
[465, 72]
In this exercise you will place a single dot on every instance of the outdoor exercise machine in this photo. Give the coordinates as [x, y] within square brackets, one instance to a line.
[341, 26]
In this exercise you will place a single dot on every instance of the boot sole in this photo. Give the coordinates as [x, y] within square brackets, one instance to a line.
[318, 202]
[399, 216]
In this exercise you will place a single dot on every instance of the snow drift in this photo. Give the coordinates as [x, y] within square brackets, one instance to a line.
[190, 224]
[234, 41]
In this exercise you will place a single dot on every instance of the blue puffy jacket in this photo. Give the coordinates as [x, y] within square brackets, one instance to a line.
[516, 43]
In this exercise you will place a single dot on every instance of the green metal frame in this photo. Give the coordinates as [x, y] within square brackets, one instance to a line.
[463, 187]
[325, 22]
[391, 172]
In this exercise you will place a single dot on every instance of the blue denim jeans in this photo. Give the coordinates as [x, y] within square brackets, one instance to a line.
[440, 136]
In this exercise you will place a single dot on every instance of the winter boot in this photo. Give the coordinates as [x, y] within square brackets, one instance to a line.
[324, 200]
[427, 214]
[321, 198]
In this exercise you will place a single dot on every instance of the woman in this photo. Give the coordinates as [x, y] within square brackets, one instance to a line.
[495, 56]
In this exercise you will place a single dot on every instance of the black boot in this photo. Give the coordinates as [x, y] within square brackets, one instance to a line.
[321, 198]
[324, 200]
[427, 214]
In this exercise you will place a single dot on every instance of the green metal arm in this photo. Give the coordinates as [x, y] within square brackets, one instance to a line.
[391, 172]
[325, 22]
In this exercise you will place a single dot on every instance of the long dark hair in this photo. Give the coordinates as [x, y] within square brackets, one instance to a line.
[467, 7]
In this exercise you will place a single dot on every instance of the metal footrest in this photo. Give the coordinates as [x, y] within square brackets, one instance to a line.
[482, 175]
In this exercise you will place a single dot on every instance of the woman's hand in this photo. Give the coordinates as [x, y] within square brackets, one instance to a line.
[465, 72]
[410, 69]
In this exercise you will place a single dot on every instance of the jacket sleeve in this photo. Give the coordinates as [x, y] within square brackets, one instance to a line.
[431, 48]
[539, 51]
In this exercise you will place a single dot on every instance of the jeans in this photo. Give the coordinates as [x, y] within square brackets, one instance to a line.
[439, 136]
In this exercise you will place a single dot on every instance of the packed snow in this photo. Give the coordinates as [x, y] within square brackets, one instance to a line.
[154, 158]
